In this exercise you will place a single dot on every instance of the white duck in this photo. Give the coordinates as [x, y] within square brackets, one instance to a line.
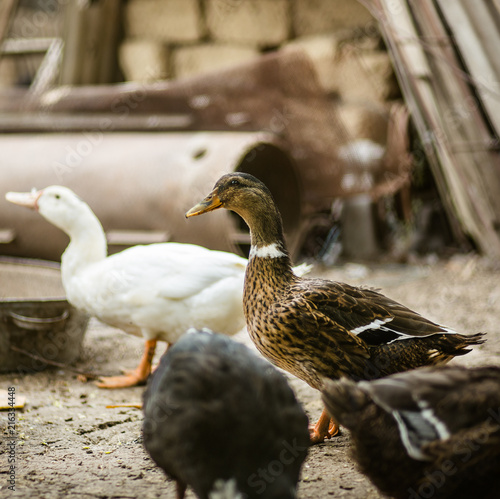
[156, 291]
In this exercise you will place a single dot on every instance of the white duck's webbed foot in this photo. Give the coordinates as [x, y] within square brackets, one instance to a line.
[138, 376]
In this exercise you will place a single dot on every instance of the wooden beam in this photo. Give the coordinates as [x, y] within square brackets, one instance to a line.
[101, 122]
[477, 36]
[7, 9]
[22, 46]
[110, 33]
[433, 85]
[91, 38]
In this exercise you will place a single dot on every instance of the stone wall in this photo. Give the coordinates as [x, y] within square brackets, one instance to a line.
[178, 38]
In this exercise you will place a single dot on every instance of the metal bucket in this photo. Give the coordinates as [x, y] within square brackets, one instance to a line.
[36, 318]
[140, 185]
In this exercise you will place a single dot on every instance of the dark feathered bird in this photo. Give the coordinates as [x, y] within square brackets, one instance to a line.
[432, 432]
[224, 421]
[316, 328]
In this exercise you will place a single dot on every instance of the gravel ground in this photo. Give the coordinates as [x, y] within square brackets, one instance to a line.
[69, 445]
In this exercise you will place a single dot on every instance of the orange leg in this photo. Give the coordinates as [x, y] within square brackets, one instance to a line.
[324, 428]
[180, 489]
[154, 368]
[136, 377]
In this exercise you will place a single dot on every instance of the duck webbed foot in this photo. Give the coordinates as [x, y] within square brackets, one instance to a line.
[324, 428]
[137, 377]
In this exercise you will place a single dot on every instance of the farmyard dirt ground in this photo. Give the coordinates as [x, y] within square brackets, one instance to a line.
[69, 445]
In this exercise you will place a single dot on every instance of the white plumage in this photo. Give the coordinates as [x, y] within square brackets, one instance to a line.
[160, 290]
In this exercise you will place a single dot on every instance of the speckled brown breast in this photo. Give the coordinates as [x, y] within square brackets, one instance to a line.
[287, 335]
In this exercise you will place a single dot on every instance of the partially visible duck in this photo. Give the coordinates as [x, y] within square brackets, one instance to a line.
[316, 328]
[156, 291]
[431, 432]
[224, 421]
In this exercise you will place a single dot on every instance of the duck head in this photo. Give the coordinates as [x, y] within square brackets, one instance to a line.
[57, 204]
[251, 199]
[239, 192]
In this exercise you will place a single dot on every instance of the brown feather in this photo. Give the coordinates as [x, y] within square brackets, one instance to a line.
[465, 402]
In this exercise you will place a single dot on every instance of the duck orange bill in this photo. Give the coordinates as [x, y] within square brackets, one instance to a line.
[210, 203]
[28, 199]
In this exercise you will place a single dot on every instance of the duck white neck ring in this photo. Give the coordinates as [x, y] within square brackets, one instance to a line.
[269, 251]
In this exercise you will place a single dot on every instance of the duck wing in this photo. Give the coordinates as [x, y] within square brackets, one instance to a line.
[367, 314]
[170, 271]
[163, 288]
[306, 325]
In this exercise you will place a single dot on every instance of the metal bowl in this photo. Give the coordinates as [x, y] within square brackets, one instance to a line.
[38, 327]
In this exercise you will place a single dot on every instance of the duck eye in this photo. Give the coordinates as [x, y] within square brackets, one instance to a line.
[57, 196]
[235, 182]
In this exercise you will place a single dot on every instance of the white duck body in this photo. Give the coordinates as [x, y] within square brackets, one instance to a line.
[156, 291]
[160, 290]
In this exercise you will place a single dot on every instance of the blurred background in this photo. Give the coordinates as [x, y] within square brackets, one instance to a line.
[373, 123]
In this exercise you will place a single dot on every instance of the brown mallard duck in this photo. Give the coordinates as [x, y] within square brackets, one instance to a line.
[316, 328]
[431, 432]
[224, 421]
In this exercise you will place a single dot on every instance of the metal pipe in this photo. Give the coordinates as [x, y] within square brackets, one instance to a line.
[142, 183]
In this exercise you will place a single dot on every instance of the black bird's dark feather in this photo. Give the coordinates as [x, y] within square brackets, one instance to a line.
[213, 410]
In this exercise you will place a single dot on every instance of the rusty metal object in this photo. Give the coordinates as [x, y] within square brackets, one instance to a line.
[277, 93]
[35, 316]
[144, 182]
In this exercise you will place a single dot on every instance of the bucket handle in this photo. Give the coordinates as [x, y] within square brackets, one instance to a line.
[38, 323]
